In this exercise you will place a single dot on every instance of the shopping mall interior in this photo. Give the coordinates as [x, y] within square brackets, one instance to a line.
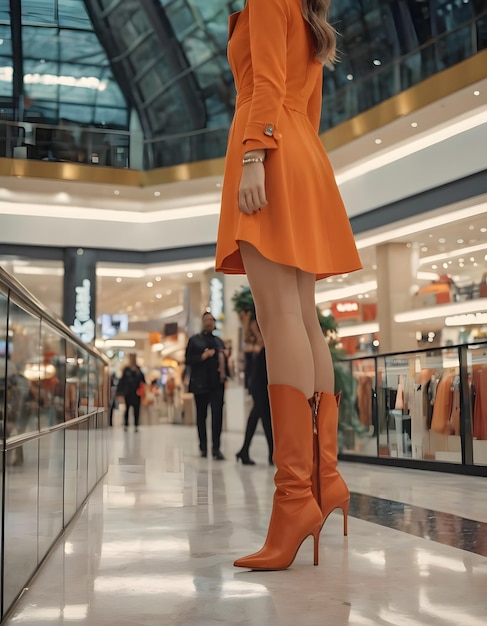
[114, 117]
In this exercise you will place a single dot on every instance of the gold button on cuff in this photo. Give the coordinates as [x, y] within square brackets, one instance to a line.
[269, 130]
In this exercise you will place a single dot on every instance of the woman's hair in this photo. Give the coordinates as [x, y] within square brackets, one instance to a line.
[315, 12]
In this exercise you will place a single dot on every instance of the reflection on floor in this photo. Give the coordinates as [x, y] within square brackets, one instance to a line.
[155, 543]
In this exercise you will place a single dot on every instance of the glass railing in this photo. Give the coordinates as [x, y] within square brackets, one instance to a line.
[426, 405]
[344, 97]
[53, 417]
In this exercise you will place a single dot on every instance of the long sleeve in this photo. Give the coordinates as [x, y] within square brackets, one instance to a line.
[268, 24]
[314, 104]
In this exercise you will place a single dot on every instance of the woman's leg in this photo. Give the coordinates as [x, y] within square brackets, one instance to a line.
[324, 377]
[295, 512]
[278, 307]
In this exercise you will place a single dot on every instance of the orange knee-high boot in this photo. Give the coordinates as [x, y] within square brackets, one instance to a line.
[329, 488]
[295, 512]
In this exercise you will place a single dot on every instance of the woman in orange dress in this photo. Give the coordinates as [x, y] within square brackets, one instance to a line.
[283, 223]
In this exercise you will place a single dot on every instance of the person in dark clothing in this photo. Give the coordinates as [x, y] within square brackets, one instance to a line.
[129, 388]
[207, 356]
[260, 407]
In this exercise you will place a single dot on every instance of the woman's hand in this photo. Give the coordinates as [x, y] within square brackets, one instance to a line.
[251, 194]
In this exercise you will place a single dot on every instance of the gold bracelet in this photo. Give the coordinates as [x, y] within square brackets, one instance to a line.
[247, 160]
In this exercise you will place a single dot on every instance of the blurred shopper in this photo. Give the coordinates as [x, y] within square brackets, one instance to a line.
[260, 398]
[131, 386]
[207, 357]
[283, 223]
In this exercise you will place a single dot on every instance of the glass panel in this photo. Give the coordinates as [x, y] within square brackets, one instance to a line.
[357, 416]
[23, 371]
[82, 490]
[478, 389]
[51, 475]
[83, 372]
[92, 452]
[3, 361]
[52, 374]
[72, 381]
[21, 494]
[70, 473]
[93, 400]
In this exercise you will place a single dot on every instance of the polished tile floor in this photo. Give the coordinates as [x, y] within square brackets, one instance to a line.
[155, 543]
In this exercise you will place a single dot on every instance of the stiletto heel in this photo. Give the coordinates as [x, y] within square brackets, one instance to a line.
[345, 517]
[316, 540]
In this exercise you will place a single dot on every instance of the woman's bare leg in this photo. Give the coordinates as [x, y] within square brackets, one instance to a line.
[324, 377]
[279, 313]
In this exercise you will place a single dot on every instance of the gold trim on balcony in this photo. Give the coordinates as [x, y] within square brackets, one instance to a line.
[428, 91]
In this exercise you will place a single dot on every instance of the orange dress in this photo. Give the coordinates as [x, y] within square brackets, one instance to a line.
[278, 107]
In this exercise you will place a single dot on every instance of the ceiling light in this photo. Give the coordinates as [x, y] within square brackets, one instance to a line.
[119, 343]
[472, 258]
[468, 319]
[471, 227]
[414, 124]
[378, 141]
[445, 266]
[441, 240]
[424, 249]
[483, 230]
[345, 292]
[427, 276]
[359, 329]
[116, 192]
[459, 240]
[452, 254]
[189, 274]
[158, 278]
[441, 310]
[349, 76]
[150, 284]
[168, 292]
[434, 267]
[175, 310]
[119, 280]
[158, 296]
[476, 92]
[116, 271]
[157, 193]
[377, 62]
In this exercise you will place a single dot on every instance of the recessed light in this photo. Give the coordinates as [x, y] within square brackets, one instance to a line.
[414, 124]
[475, 264]
[441, 240]
[189, 274]
[424, 249]
[116, 192]
[434, 267]
[158, 296]
[476, 92]
[378, 141]
[157, 193]
[158, 278]
[349, 76]
[459, 240]
[483, 230]
[471, 227]
[168, 292]
[377, 62]
[445, 266]
[119, 280]
[150, 284]
[472, 258]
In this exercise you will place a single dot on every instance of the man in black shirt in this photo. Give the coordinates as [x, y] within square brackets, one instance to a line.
[207, 356]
